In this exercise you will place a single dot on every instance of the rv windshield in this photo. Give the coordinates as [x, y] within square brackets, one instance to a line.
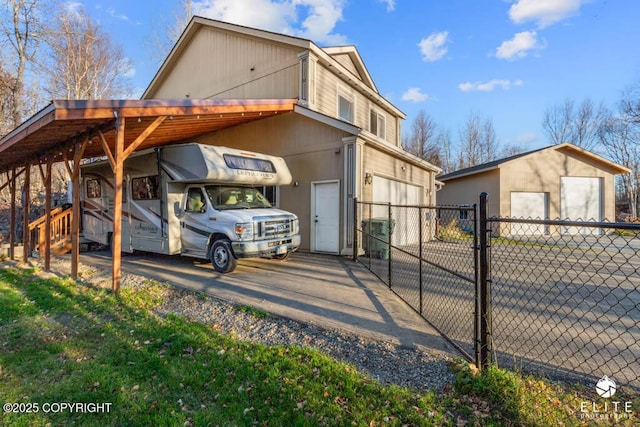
[223, 197]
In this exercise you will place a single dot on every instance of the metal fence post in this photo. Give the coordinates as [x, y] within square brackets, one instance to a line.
[485, 286]
[355, 229]
[389, 242]
[420, 237]
[476, 255]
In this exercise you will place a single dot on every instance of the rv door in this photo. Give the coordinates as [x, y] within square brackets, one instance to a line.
[175, 213]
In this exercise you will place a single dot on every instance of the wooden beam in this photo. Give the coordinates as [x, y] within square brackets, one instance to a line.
[26, 206]
[47, 214]
[41, 172]
[117, 205]
[75, 218]
[143, 136]
[107, 150]
[12, 216]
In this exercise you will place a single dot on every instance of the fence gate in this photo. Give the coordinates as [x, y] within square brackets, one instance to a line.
[522, 293]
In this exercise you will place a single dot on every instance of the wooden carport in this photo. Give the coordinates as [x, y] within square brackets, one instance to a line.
[69, 131]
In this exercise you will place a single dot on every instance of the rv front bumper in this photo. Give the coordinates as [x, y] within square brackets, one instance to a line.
[266, 248]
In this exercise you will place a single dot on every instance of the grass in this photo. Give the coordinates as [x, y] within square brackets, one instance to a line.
[64, 341]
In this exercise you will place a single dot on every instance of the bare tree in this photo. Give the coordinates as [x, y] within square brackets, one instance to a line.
[422, 141]
[557, 122]
[564, 123]
[478, 142]
[21, 31]
[166, 33]
[443, 140]
[7, 84]
[82, 62]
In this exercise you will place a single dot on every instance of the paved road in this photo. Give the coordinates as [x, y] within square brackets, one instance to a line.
[328, 291]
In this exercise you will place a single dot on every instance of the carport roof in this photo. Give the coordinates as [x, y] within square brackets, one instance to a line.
[54, 129]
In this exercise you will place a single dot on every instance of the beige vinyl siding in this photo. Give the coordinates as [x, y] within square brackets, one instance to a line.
[313, 152]
[466, 190]
[541, 172]
[217, 64]
[346, 62]
[382, 164]
[327, 84]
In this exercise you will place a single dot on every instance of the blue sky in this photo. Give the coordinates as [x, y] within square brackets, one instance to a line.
[507, 60]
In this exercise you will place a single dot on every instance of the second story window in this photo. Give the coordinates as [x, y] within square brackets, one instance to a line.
[346, 106]
[377, 124]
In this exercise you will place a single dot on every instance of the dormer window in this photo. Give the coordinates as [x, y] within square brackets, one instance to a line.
[346, 105]
[377, 123]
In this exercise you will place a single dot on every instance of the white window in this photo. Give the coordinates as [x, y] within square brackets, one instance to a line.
[307, 79]
[346, 106]
[377, 124]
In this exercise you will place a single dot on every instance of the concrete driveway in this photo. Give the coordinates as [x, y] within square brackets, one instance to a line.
[328, 291]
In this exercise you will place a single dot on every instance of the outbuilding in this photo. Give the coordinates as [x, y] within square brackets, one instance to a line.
[562, 181]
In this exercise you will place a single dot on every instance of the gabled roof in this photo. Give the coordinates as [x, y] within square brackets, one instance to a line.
[353, 54]
[362, 82]
[565, 146]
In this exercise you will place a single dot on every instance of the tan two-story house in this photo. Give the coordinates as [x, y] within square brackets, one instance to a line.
[341, 142]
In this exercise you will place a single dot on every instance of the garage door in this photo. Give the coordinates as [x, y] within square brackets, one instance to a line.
[580, 200]
[529, 205]
[385, 190]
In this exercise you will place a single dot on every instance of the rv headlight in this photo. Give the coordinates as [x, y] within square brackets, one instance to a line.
[295, 226]
[244, 230]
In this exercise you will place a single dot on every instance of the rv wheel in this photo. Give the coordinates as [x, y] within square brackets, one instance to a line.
[222, 257]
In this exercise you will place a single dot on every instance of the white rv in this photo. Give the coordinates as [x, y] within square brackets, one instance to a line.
[197, 200]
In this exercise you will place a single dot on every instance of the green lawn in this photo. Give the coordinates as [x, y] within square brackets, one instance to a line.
[64, 341]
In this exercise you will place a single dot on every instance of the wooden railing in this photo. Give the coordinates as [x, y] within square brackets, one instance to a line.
[60, 232]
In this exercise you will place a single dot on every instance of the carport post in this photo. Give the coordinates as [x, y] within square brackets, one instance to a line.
[484, 286]
[47, 213]
[79, 148]
[118, 175]
[12, 216]
[26, 204]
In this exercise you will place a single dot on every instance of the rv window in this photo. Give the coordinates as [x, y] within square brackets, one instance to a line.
[223, 197]
[248, 163]
[93, 189]
[195, 200]
[145, 188]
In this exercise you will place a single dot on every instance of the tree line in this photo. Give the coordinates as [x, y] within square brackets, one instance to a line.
[613, 133]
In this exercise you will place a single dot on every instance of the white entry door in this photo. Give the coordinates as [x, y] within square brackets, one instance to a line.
[325, 216]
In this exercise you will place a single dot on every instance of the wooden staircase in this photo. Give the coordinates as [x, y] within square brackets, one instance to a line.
[60, 232]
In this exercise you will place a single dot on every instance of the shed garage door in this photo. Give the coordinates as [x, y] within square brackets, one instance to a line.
[528, 205]
[385, 190]
[580, 199]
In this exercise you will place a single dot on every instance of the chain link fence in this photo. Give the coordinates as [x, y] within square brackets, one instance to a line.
[559, 299]
[426, 255]
[566, 298]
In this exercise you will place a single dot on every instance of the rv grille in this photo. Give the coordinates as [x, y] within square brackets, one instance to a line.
[274, 228]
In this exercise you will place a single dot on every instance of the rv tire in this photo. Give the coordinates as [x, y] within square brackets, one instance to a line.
[222, 257]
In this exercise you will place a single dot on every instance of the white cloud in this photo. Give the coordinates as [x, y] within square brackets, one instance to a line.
[316, 22]
[112, 12]
[543, 12]
[489, 86]
[414, 94]
[391, 4]
[433, 47]
[518, 46]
